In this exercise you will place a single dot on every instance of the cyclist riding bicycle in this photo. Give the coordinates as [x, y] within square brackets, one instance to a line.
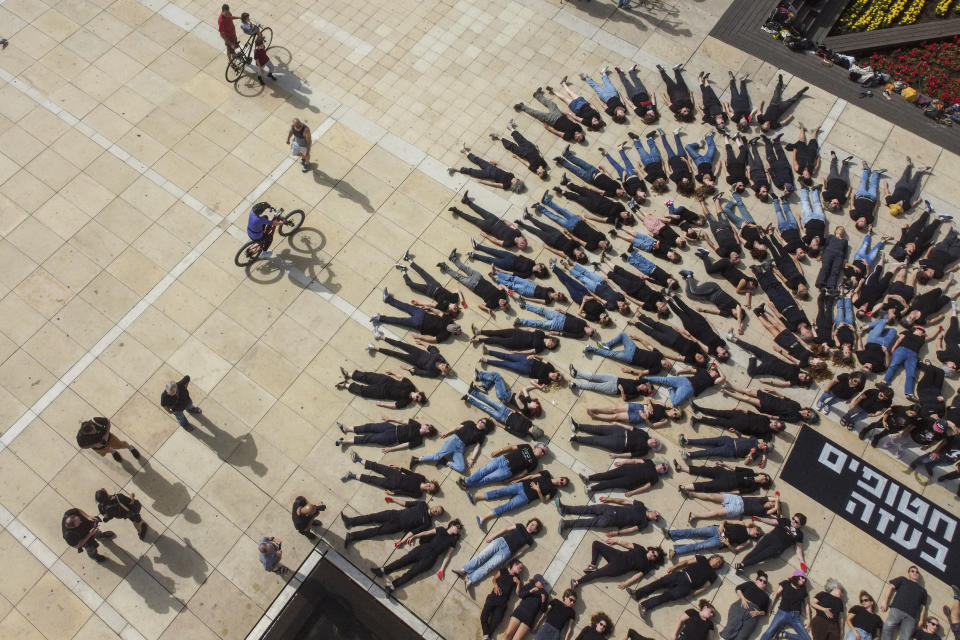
[260, 227]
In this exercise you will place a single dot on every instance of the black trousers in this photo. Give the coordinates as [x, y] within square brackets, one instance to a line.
[521, 146]
[388, 521]
[721, 480]
[766, 548]
[605, 436]
[674, 585]
[429, 287]
[407, 352]
[389, 477]
[382, 433]
[616, 565]
[421, 559]
[602, 514]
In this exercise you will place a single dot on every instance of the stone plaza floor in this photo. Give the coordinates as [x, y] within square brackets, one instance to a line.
[127, 167]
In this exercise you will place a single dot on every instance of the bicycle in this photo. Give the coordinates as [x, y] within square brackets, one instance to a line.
[242, 56]
[285, 225]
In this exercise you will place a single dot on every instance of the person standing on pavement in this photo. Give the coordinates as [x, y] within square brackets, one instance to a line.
[228, 30]
[305, 516]
[908, 607]
[302, 142]
[82, 532]
[176, 400]
[271, 552]
[123, 507]
[95, 434]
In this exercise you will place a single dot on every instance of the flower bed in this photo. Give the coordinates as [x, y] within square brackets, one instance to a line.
[870, 15]
[932, 68]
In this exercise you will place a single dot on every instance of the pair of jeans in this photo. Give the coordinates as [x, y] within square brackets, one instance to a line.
[929, 463]
[577, 166]
[622, 171]
[869, 185]
[604, 92]
[643, 242]
[416, 314]
[493, 379]
[791, 619]
[497, 257]
[599, 382]
[497, 470]
[707, 156]
[521, 285]
[641, 264]
[710, 539]
[679, 387]
[494, 409]
[566, 219]
[844, 312]
[516, 498]
[489, 558]
[623, 355]
[826, 400]
[881, 334]
[811, 208]
[182, 419]
[573, 286]
[679, 153]
[866, 253]
[785, 219]
[906, 358]
[553, 319]
[742, 216]
[516, 362]
[648, 157]
[452, 447]
[721, 447]
[590, 279]
[854, 415]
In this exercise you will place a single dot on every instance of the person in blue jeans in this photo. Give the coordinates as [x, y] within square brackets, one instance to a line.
[627, 173]
[508, 261]
[725, 447]
[456, 442]
[596, 283]
[876, 350]
[704, 161]
[508, 462]
[553, 320]
[865, 201]
[729, 534]
[527, 289]
[534, 367]
[905, 354]
[506, 543]
[607, 93]
[626, 353]
[682, 388]
[570, 221]
[813, 219]
[589, 173]
[537, 486]
[794, 600]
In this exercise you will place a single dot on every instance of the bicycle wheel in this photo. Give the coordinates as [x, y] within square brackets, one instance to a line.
[267, 34]
[248, 254]
[292, 222]
[235, 67]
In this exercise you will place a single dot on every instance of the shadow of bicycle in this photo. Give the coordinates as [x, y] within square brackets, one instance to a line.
[302, 262]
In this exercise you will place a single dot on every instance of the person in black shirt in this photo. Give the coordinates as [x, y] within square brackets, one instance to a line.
[827, 623]
[940, 259]
[772, 117]
[864, 206]
[635, 352]
[726, 535]
[714, 112]
[636, 476]
[525, 342]
[916, 237]
[523, 149]
[395, 480]
[437, 542]
[446, 302]
[806, 156]
[553, 119]
[467, 434]
[557, 323]
[432, 324]
[540, 486]
[780, 372]
[96, 434]
[909, 604]
[593, 176]
[696, 624]
[741, 423]
[602, 208]
[786, 533]
[726, 305]
[600, 627]
[506, 584]
[555, 240]
[81, 532]
[427, 363]
[488, 173]
[734, 506]
[628, 516]
[644, 102]
[534, 597]
[578, 107]
[123, 507]
[778, 166]
[608, 96]
[176, 399]
[752, 603]
[929, 630]
[560, 613]
[905, 353]
[635, 288]
[629, 179]
[736, 163]
[493, 228]
[391, 391]
[518, 265]
[679, 163]
[772, 403]
[304, 515]
[864, 623]
[508, 542]
[836, 186]
[904, 196]
[844, 387]
[393, 434]
[509, 462]
[723, 478]
[635, 559]
[793, 598]
[413, 518]
[494, 296]
[692, 576]
[678, 96]
[592, 239]
[624, 442]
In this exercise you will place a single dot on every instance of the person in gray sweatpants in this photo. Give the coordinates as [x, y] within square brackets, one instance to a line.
[909, 605]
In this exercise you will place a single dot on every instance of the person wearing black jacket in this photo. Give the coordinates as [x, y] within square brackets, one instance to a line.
[518, 340]
[95, 434]
[493, 228]
[122, 507]
[427, 363]
[391, 391]
[723, 478]
[392, 434]
[506, 584]
[522, 149]
[431, 325]
[515, 263]
[304, 515]
[436, 542]
[414, 516]
[176, 399]
[394, 480]
[692, 576]
[446, 302]
[81, 532]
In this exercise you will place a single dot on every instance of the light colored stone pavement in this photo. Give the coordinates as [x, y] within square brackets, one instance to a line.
[127, 165]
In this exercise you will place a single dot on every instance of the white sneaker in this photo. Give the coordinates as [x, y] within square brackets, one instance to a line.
[265, 255]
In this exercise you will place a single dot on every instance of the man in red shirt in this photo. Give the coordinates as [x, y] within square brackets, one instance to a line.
[227, 29]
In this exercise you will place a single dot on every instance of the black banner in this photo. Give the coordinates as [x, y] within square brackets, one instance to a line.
[909, 524]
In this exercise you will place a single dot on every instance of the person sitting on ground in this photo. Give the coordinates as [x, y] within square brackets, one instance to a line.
[553, 119]
[489, 173]
[428, 363]
[390, 390]
[392, 434]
